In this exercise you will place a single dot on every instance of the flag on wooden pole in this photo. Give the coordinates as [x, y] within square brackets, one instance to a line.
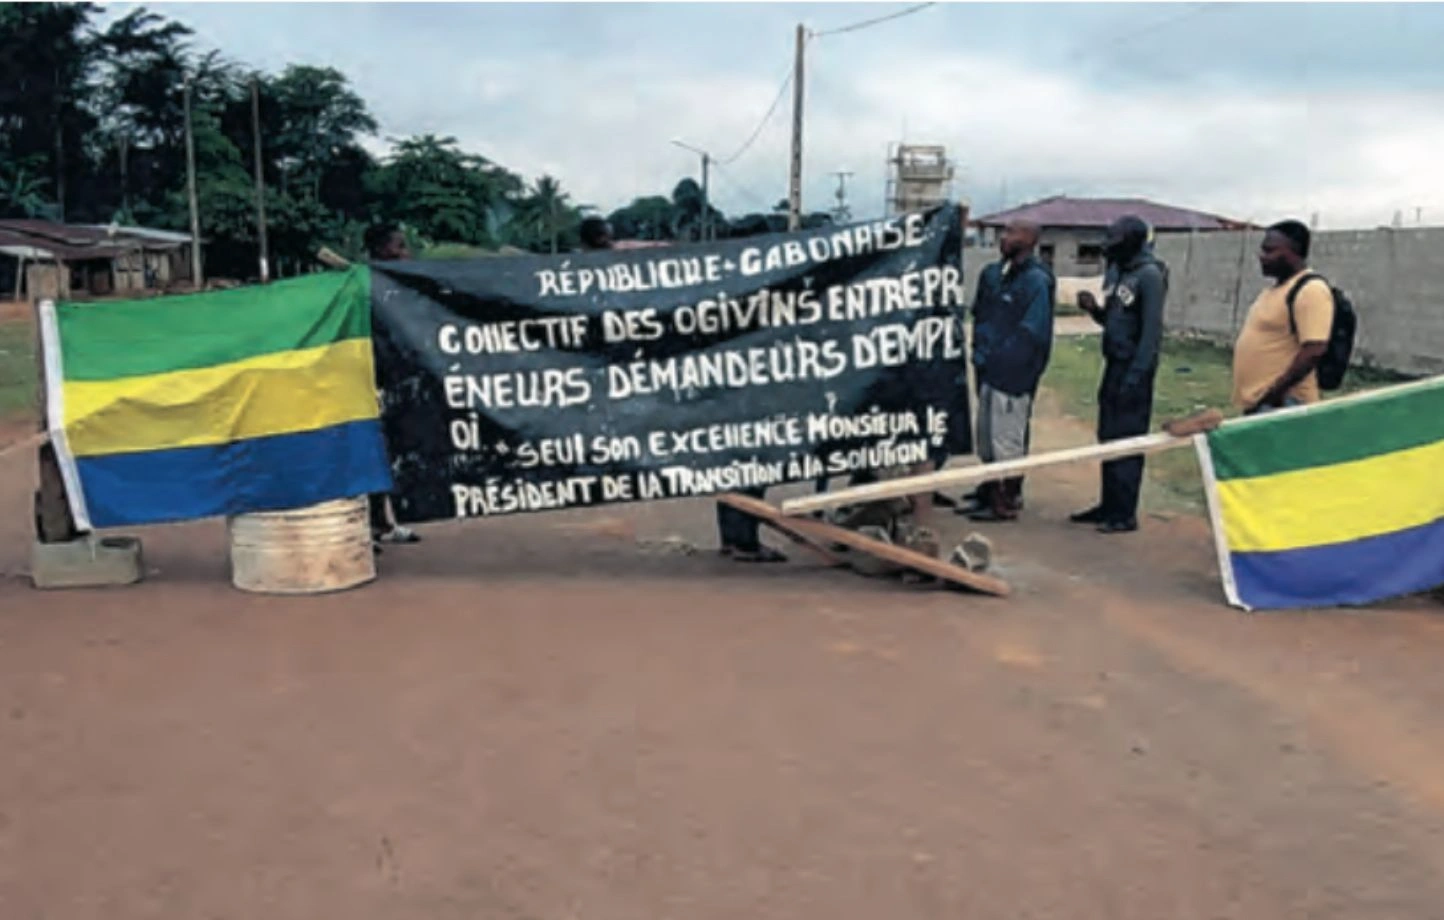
[222, 403]
[1335, 504]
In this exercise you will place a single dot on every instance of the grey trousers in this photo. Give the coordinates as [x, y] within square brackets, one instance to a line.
[1002, 425]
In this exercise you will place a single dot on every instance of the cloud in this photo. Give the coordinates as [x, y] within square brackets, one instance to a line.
[1207, 110]
[1354, 157]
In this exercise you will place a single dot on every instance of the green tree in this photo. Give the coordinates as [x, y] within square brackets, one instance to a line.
[23, 192]
[46, 54]
[546, 219]
[314, 120]
[646, 218]
[448, 195]
[140, 149]
[688, 209]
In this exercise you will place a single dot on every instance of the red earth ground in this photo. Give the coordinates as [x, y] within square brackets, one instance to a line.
[568, 716]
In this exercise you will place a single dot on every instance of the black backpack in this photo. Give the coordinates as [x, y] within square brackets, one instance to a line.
[1340, 347]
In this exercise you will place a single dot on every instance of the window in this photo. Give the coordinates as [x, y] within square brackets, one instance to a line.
[1045, 252]
[1089, 254]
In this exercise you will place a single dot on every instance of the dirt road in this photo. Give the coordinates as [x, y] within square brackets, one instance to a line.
[561, 716]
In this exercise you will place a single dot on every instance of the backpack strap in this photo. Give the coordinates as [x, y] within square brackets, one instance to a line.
[1293, 295]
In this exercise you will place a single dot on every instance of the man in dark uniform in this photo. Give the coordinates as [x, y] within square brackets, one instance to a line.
[1134, 288]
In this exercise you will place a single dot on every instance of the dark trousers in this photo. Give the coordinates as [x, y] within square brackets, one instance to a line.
[738, 530]
[1122, 413]
[379, 521]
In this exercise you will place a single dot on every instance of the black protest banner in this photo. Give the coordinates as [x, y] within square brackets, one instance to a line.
[538, 383]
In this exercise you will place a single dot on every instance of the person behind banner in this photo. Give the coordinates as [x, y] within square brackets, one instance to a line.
[1012, 342]
[739, 533]
[596, 233]
[386, 243]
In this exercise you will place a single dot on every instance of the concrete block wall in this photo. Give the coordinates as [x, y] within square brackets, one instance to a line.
[1394, 277]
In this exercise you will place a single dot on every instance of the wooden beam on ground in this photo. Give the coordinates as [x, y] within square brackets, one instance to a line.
[827, 535]
[776, 520]
[1181, 435]
[918, 562]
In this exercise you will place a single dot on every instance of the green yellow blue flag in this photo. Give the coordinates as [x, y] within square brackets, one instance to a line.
[221, 403]
[1335, 504]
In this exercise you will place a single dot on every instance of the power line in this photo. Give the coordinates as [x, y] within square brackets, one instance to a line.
[872, 22]
[757, 199]
[771, 110]
[1114, 39]
[792, 74]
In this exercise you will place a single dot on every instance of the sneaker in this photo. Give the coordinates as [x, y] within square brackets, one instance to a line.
[1127, 526]
[399, 534]
[760, 554]
[944, 501]
[993, 514]
[968, 505]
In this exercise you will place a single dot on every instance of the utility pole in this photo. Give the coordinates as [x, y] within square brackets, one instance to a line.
[706, 229]
[196, 278]
[260, 180]
[706, 200]
[123, 149]
[794, 185]
[842, 213]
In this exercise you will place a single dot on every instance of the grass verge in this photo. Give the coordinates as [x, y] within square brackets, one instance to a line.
[1192, 375]
[17, 369]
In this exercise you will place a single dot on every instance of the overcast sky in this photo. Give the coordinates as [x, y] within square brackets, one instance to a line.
[1255, 111]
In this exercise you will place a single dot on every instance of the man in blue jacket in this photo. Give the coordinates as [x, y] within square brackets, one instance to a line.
[1012, 341]
[1135, 286]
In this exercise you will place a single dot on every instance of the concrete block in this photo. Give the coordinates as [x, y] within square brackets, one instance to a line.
[89, 562]
[975, 553]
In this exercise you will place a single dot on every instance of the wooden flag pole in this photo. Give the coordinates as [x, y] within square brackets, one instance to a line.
[54, 522]
[1178, 433]
[328, 257]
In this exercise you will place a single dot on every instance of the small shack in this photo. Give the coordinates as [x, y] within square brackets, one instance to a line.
[42, 259]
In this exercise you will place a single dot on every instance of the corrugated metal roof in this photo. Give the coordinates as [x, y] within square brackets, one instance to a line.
[1062, 211]
[69, 234]
[38, 247]
[45, 239]
[168, 237]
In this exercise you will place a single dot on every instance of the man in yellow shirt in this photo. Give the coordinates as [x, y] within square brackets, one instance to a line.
[1275, 356]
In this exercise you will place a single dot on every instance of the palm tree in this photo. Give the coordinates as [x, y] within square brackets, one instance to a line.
[22, 192]
[547, 213]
